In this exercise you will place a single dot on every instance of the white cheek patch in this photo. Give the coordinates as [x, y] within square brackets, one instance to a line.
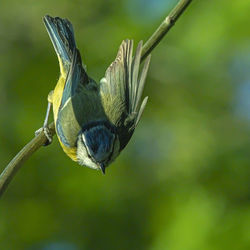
[83, 158]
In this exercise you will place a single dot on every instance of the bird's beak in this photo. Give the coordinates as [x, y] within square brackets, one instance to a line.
[102, 167]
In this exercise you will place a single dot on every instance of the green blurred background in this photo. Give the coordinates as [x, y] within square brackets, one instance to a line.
[182, 183]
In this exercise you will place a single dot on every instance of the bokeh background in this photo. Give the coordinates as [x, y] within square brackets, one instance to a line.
[182, 183]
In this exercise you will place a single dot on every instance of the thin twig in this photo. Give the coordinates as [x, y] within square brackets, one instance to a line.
[165, 26]
[9, 172]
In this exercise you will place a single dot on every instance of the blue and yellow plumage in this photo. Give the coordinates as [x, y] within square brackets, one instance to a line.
[94, 122]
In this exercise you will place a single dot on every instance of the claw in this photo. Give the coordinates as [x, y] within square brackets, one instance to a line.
[47, 134]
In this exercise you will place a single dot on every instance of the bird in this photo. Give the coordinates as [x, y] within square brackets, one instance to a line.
[94, 121]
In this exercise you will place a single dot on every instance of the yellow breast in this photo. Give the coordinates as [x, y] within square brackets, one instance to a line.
[56, 98]
[71, 152]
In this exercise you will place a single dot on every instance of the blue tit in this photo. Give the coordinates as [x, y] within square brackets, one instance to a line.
[94, 121]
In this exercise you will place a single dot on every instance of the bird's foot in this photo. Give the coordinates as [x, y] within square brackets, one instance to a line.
[47, 134]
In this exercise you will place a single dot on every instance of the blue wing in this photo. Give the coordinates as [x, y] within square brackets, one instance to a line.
[62, 36]
[76, 79]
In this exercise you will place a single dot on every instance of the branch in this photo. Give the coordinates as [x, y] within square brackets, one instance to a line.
[11, 169]
[163, 29]
[9, 172]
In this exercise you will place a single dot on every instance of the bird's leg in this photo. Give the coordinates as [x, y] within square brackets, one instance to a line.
[45, 128]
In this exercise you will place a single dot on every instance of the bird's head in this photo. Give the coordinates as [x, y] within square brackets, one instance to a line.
[97, 145]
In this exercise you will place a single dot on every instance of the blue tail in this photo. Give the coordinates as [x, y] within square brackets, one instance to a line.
[62, 36]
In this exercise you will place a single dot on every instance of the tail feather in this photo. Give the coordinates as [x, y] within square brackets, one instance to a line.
[62, 36]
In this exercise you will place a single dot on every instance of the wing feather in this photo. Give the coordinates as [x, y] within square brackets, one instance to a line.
[80, 103]
[142, 82]
[134, 75]
[76, 78]
[121, 89]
